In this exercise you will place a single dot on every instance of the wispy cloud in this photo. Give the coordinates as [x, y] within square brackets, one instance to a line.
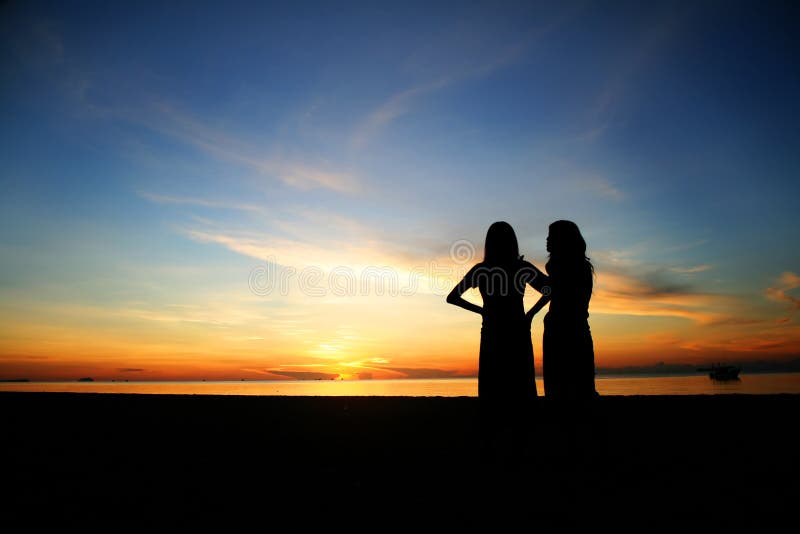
[40, 48]
[402, 102]
[194, 201]
[339, 267]
[618, 84]
[780, 339]
[594, 132]
[619, 293]
[296, 173]
[599, 186]
[290, 252]
[44, 52]
[304, 375]
[692, 269]
[412, 372]
[397, 105]
[300, 236]
[226, 312]
[787, 282]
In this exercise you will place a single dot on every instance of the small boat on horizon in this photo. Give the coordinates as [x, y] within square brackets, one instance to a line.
[722, 372]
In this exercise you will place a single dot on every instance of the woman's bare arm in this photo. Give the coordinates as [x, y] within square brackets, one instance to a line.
[455, 298]
[541, 283]
[541, 303]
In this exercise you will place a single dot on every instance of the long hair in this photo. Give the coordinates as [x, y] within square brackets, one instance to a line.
[501, 244]
[567, 247]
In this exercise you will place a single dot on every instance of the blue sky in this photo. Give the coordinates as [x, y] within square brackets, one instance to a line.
[154, 154]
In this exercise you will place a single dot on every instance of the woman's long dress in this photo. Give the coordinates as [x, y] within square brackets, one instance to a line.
[567, 347]
[506, 375]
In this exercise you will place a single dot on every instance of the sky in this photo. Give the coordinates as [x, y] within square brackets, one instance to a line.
[231, 190]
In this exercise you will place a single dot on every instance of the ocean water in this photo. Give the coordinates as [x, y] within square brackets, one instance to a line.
[754, 384]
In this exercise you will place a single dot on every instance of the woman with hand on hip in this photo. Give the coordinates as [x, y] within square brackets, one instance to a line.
[506, 377]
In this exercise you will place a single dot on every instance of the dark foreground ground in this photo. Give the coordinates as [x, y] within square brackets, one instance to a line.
[147, 462]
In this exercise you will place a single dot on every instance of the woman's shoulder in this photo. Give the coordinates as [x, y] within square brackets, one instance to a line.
[474, 270]
[525, 265]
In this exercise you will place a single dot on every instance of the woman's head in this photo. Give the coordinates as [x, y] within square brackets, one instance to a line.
[565, 242]
[565, 239]
[501, 244]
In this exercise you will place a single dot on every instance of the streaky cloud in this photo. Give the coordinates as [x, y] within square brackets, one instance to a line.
[201, 202]
[787, 282]
[304, 375]
[299, 174]
[402, 102]
[423, 372]
[599, 186]
[619, 293]
[693, 269]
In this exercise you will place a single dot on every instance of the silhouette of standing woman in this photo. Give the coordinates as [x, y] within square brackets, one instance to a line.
[506, 379]
[568, 350]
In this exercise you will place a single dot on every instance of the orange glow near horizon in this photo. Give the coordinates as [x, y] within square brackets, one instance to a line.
[367, 337]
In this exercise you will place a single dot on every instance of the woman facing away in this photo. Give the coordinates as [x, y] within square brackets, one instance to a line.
[506, 378]
[567, 347]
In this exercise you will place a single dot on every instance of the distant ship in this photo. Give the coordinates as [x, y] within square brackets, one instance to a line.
[722, 372]
[86, 379]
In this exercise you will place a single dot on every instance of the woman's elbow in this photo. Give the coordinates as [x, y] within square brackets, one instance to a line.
[452, 298]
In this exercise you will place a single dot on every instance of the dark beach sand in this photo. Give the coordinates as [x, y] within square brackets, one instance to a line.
[140, 462]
